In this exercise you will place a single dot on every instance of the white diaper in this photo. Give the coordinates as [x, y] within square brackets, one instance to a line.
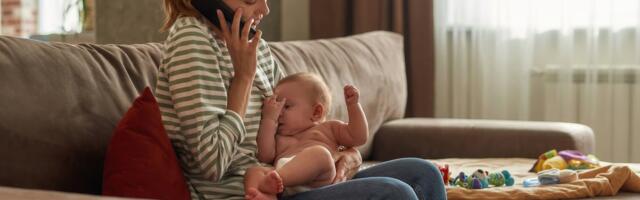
[282, 161]
[288, 191]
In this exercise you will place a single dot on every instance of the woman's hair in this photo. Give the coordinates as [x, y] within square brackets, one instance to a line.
[318, 89]
[177, 8]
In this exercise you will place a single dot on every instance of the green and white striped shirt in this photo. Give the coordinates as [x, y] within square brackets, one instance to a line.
[213, 144]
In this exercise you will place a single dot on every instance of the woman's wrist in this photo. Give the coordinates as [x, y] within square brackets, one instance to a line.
[240, 78]
[239, 92]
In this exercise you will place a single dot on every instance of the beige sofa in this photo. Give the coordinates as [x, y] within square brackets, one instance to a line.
[61, 102]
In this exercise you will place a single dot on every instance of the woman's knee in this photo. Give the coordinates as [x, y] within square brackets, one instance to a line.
[422, 175]
[420, 165]
[430, 185]
[391, 188]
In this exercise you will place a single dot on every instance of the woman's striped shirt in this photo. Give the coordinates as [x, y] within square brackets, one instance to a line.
[214, 145]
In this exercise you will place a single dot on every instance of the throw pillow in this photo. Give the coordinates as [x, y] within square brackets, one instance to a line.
[140, 160]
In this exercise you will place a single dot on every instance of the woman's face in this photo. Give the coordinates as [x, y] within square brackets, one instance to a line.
[252, 9]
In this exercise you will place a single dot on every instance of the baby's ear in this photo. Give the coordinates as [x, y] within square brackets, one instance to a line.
[318, 112]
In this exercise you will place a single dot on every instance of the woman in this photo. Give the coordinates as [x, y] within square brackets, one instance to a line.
[211, 85]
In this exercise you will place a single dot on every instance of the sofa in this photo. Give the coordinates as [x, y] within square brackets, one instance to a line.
[61, 102]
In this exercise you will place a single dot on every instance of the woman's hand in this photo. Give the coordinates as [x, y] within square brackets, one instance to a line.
[244, 59]
[242, 50]
[347, 164]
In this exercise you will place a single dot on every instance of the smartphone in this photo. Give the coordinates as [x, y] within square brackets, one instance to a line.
[208, 9]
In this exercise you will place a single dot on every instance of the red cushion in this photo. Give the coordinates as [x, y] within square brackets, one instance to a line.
[140, 160]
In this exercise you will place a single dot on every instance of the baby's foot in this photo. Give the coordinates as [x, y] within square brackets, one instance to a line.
[254, 194]
[271, 183]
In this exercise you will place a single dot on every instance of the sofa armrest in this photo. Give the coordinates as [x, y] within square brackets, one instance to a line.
[462, 138]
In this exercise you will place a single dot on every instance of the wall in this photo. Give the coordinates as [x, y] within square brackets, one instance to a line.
[128, 21]
[295, 20]
[138, 21]
[271, 26]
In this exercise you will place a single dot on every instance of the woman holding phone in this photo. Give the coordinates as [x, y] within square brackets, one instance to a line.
[210, 89]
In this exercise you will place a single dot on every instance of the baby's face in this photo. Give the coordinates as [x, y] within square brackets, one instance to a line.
[297, 113]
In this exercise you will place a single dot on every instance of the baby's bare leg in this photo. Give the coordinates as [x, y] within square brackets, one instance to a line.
[313, 165]
[254, 183]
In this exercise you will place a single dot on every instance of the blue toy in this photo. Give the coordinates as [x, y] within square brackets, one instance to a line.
[508, 180]
[460, 180]
[531, 182]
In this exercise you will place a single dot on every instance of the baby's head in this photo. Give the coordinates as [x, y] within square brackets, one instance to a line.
[308, 102]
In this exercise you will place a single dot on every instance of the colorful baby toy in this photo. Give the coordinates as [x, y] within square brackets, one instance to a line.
[567, 159]
[444, 170]
[482, 179]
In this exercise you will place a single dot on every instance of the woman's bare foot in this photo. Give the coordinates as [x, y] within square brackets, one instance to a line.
[271, 183]
[255, 194]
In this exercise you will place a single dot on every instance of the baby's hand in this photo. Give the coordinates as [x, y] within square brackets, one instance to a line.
[351, 94]
[271, 108]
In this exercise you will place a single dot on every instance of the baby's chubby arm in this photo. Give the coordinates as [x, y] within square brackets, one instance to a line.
[354, 133]
[271, 109]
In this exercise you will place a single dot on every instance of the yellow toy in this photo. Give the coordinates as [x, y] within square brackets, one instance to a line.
[567, 159]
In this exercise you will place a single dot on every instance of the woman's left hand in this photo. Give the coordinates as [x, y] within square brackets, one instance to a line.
[347, 164]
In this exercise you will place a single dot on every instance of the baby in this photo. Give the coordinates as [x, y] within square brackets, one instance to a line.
[296, 138]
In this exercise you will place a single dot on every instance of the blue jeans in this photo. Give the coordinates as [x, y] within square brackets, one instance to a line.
[406, 178]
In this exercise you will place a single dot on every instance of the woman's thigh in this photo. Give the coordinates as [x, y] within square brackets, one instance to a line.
[376, 188]
[423, 176]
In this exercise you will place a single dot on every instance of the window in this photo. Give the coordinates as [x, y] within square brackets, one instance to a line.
[520, 16]
[543, 60]
[60, 16]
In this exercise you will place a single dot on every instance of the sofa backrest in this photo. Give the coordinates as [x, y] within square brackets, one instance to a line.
[59, 106]
[60, 102]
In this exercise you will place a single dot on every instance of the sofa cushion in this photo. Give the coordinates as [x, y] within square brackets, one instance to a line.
[373, 62]
[140, 160]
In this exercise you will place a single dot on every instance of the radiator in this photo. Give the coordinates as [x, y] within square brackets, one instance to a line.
[606, 99]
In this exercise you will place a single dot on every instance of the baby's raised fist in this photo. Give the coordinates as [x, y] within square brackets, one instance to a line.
[351, 94]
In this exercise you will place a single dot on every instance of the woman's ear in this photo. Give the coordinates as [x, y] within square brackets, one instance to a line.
[318, 112]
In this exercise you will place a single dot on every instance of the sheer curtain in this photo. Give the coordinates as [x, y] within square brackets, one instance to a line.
[547, 60]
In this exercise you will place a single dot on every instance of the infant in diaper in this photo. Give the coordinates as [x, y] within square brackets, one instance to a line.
[296, 138]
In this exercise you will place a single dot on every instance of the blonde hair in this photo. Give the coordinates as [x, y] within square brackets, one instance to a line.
[177, 8]
[317, 87]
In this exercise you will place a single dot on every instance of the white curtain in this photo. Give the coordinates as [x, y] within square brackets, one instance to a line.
[547, 60]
